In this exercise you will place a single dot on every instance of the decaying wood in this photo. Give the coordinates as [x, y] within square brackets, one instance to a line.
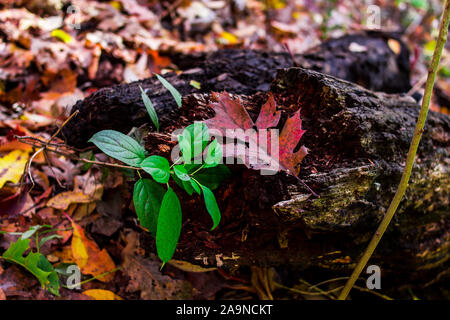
[365, 59]
[358, 141]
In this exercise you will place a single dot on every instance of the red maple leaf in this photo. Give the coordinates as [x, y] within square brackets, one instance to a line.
[231, 115]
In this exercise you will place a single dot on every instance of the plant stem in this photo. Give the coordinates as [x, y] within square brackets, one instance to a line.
[201, 167]
[443, 32]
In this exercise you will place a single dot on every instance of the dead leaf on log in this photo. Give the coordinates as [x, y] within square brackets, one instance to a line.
[232, 115]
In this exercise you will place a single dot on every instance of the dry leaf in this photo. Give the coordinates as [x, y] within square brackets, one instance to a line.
[100, 294]
[395, 46]
[64, 199]
[65, 255]
[12, 166]
[88, 256]
[189, 267]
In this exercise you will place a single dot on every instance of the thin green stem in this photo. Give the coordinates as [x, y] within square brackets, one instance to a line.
[201, 167]
[443, 32]
[178, 160]
[54, 230]
[37, 241]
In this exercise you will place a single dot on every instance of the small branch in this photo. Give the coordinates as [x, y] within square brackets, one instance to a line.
[44, 148]
[104, 163]
[442, 38]
[42, 145]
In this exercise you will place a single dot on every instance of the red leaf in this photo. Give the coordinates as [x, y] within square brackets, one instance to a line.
[231, 114]
[268, 116]
[289, 138]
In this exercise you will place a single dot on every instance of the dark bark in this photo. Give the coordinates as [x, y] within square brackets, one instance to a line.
[120, 107]
[358, 141]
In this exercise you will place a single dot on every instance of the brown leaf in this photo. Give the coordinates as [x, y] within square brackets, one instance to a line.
[64, 199]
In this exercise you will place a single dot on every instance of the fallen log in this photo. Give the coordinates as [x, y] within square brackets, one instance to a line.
[358, 141]
[365, 59]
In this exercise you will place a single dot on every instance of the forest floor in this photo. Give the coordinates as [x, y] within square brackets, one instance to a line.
[53, 54]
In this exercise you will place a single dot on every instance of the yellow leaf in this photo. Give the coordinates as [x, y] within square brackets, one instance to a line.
[61, 35]
[276, 4]
[64, 199]
[79, 251]
[227, 38]
[89, 257]
[116, 5]
[12, 166]
[100, 294]
[189, 267]
[64, 255]
[195, 84]
[395, 46]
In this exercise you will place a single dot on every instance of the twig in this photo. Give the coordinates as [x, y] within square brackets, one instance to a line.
[44, 147]
[329, 295]
[442, 38]
[320, 292]
[41, 144]
[104, 163]
[383, 296]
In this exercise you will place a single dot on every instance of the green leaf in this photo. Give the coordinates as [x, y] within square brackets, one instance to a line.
[212, 177]
[214, 155]
[53, 279]
[32, 230]
[419, 4]
[211, 206]
[445, 72]
[195, 186]
[169, 226]
[150, 109]
[181, 173]
[158, 167]
[174, 92]
[119, 146]
[194, 140]
[35, 263]
[147, 197]
[51, 237]
[183, 184]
